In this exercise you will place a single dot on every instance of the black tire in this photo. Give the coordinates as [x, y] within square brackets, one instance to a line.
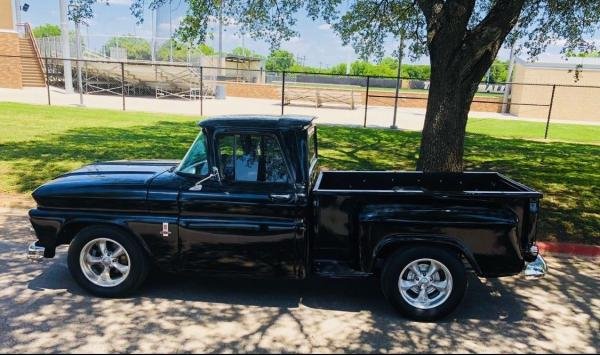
[138, 263]
[400, 259]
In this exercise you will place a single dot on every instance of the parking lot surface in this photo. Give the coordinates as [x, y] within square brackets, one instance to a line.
[43, 310]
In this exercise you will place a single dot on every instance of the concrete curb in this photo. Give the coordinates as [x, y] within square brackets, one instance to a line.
[569, 249]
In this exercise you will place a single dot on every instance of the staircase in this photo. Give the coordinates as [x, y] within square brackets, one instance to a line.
[33, 72]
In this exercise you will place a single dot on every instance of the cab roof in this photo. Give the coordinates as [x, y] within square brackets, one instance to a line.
[258, 121]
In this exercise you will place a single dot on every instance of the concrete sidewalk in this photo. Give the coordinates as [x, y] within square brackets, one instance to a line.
[377, 116]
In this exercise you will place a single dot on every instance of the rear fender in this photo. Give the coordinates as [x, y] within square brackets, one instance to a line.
[392, 243]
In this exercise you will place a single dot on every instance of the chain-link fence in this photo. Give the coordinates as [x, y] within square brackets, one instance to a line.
[350, 99]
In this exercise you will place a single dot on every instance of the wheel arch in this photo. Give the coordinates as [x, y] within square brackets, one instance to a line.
[72, 227]
[390, 244]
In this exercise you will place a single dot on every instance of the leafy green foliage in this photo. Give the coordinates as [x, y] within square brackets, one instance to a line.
[498, 71]
[590, 54]
[245, 52]
[47, 30]
[280, 60]
[137, 48]
[181, 51]
[80, 10]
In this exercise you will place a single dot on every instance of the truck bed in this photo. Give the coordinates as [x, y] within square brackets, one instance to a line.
[491, 216]
[415, 182]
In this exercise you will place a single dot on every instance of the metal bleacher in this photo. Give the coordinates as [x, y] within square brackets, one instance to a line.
[163, 80]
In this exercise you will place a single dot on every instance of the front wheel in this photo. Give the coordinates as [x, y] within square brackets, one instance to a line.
[424, 284]
[107, 262]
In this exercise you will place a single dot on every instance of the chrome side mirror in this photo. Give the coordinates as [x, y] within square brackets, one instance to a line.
[214, 175]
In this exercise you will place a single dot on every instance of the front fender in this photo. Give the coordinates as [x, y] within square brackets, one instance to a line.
[391, 243]
[54, 228]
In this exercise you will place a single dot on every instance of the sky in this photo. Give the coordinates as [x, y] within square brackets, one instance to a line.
[316, 45]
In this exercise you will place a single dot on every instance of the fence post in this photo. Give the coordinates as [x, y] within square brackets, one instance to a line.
[123, 83]
[47, 80]
[549, 112]
[282, 91]
[201, 88]
[367, 100]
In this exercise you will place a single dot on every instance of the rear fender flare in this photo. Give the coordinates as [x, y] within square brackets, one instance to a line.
[392, 242]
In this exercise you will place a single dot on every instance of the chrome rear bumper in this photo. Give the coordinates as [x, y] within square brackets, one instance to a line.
[536, 268]
[35, 252]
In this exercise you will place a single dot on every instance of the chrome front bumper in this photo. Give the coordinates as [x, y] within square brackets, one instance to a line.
[536, 268]
[35, 252]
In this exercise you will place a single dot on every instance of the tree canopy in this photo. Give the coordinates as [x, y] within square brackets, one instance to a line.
[280, 60]
[137, 48]
[47, 30]
[181, 51]
[461, 37]
[245, 52]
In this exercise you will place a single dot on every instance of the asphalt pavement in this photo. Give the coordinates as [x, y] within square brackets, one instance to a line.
[43, 310]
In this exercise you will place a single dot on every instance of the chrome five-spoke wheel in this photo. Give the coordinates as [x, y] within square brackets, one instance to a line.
[425, 283]
[104, 262]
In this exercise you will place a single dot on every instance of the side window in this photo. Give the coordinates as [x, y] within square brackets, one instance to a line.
[251, 158]
[226, 149]
[275, 165]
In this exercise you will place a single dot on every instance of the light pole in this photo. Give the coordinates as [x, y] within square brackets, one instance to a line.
[400, 50]
[77, 21]
[18, 10]
[507, 83]
[220, 88]
[66, 47]
[170, 34]
[153, 36]
[221, 34]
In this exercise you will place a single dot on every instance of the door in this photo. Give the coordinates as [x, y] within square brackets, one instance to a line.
[250, 220]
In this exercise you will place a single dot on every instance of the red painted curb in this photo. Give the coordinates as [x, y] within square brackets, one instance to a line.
[569, 248]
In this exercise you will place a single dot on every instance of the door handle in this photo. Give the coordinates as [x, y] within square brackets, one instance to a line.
[280, 197]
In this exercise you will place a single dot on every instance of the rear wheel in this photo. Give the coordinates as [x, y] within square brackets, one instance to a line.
[107, 262]
[424, 283]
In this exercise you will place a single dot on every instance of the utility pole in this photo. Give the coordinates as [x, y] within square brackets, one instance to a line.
[79, 80]
[507, 83]
[153, 41]
[66, 48]
[170, 35]
[220, 88]
[398, 82]
[221, 34]
[77, 20]
[18, 10]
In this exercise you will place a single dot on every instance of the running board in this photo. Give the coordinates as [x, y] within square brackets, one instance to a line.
[336, 269]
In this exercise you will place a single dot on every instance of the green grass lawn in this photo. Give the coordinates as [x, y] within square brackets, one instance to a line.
[40, 142]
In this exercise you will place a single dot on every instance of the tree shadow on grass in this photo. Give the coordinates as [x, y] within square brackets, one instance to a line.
[568, 174]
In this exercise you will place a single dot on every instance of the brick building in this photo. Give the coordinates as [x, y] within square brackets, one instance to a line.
[574, 99]
[20, 63]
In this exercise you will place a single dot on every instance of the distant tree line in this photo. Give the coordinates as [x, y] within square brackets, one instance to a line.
[280, 60]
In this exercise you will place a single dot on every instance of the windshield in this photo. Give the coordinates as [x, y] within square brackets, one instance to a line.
[194, 161]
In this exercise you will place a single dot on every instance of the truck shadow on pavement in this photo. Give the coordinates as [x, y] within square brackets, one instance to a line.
[483, 301]
[43, 310]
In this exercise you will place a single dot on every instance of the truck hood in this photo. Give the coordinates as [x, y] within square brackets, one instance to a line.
[102, 183]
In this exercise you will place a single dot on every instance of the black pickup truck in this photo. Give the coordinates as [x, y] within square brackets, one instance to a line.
[248, 199]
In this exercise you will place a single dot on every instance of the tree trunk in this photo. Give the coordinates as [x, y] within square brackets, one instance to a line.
[442, 141]
[459, 59]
